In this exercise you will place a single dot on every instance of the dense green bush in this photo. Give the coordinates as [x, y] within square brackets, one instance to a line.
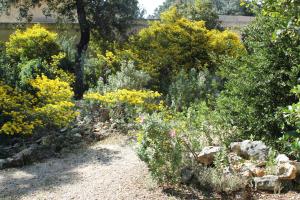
[258, 84]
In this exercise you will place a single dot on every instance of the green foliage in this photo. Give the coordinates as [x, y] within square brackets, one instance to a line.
[201, 10]
[258, 84]
[191, 87]
[290, 141]
[169, 140]
[176, 43]
[161, 148]
[211, 7]
[127, 78]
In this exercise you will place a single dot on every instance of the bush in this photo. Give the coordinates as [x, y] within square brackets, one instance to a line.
[173, 44]
[54, 102]
[127, 78]
[50, 106]
[35, 42]
[192, 87]
[258, 84]
[168, 141]
[16, 111]
[126, 104]
[289, 143]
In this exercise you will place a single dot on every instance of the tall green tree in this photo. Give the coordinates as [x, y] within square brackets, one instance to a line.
[258, 85]
[106, 18]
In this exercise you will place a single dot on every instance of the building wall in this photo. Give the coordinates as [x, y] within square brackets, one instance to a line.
[8, 22]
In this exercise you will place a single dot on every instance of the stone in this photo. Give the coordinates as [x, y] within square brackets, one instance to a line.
[268, 183]
[247, 174]
[259, 172]
[2, 163]
[297, 165]
[63, 129]
[186, 175]
[282, 158]
[234, 159]
[75, 131]
[78, 135]
[251, 169]
[207, 155]
[250, 149]
[286, 171]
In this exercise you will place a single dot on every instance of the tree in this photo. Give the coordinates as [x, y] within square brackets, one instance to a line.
[105, 18]
[258, 85]
[194, 10]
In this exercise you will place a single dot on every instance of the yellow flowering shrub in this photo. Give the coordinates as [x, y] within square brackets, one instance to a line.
[56, 71]
[138, 98]
[126, 105]
[174, 44]
[50, 106]
[225, 43]
[16, 113]
[34, 42]
[55, 104]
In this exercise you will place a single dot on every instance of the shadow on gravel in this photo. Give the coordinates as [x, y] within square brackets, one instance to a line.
[53, 173]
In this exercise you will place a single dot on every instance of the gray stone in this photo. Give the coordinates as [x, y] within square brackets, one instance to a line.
[250, 149]
[186, 175]
[268, 183]
[207, 155]
[234, 159]
[63, 129]
[2, 163]
[282, 158]
[78, 135]
[75, 130]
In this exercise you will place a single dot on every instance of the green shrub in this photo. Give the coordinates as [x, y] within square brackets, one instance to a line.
[169, 141]
[127, 78]
[258, 84]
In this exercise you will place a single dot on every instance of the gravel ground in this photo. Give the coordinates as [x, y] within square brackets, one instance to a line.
[107, 170]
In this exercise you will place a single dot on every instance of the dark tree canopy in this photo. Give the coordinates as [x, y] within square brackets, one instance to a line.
[105, 18]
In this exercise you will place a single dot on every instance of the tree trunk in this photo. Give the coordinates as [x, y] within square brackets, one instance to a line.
[81, 49]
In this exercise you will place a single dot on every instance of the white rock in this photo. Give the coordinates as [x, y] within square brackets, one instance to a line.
[282, 158]
[269, 183]
[207, 155]
[250, 149]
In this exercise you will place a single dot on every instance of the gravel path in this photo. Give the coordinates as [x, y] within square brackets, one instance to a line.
[107, 170]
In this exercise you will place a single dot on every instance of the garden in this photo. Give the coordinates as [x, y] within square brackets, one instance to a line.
[207, 108]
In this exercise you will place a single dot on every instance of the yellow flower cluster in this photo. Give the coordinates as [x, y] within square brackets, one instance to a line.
[138, 98]
[58, 72]
[22, 113]
[54, 97]
[16, 111]
[24, 43]
[225, 43]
